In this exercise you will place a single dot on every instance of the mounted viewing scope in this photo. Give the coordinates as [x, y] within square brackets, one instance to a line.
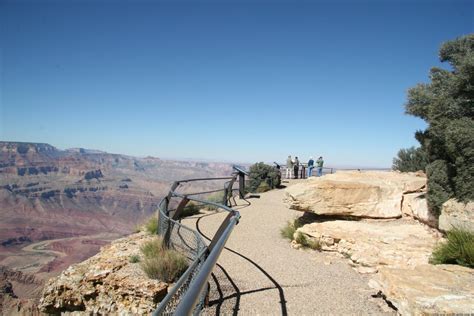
[241, 173]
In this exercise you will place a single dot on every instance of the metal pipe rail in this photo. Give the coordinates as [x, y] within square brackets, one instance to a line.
[192, 295]
[189, 290]
[302, 169]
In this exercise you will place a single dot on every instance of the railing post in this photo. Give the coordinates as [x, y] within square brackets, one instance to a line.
[180, 208]
[169, 227]
[190, 287]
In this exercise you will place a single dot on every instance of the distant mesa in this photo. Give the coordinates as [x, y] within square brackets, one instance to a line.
[85, 151]
[24, 148]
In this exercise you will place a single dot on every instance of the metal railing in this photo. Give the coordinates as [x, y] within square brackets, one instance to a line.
[188, 294]
[302, 170]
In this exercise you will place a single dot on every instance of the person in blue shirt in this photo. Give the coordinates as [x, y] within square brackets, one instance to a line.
[310, 166]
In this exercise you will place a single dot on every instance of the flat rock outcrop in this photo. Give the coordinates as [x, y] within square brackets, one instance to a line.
[457, 214]
[371, 222]
[371, 194]
[428, 289]
[373, 244]
[106, 283]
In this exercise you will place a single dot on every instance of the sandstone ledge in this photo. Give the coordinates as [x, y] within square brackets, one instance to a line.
[457, 214]
[375, 243]
[428, 289]
[371, 194]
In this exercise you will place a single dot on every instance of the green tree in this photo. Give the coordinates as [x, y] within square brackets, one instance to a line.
[410, 160]
[447, 105]
[263, 177]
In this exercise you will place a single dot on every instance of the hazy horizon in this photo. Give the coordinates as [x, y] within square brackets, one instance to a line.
[208, 160]
[231, 82]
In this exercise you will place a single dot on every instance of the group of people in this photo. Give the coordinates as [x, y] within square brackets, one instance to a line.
[294, 165]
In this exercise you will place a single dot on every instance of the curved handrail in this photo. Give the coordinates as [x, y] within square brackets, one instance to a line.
[193, 281]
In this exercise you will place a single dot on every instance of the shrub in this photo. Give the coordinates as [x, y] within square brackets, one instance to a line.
[217, 197]
[301, 239]
[262, 173]
[168, 266]
[263, 187]
[459, 249]
[410, 160]
[189, 210]
[134, 259]
[152, 248]
[151, 225]
[289, 230]
[306, 242]
[314, 244]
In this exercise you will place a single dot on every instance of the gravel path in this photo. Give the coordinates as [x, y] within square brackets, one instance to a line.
[260, 274]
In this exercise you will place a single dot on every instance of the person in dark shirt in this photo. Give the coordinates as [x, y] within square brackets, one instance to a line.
[310, 166]
[296, 167]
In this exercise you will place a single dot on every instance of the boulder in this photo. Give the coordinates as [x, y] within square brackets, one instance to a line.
[415, 205]
[427, 289]
[107, 283]
[376, 243]
[371, 194]
[457, 214]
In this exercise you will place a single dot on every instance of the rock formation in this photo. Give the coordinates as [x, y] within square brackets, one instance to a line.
[105, 283]
[371, 243]
[427, 289]
[362, 194]
[415, 205]
[371, 222]
[458, 215]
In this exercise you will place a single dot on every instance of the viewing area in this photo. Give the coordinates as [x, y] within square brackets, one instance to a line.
[250, 269]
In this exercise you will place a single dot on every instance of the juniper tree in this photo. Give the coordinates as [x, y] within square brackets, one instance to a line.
[411, 159]
[263, 177]
[447, 105]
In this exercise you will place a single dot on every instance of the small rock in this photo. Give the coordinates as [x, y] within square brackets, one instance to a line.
[366, 270]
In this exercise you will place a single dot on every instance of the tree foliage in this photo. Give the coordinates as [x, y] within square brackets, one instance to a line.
[263, 177]
[447, 105]
[410, 160]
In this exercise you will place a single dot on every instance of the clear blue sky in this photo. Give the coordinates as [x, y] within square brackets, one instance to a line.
[240, 81]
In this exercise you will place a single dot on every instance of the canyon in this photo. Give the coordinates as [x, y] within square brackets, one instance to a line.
[59, 207]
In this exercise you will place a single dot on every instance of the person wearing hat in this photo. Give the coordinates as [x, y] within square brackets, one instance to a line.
[310, 166]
